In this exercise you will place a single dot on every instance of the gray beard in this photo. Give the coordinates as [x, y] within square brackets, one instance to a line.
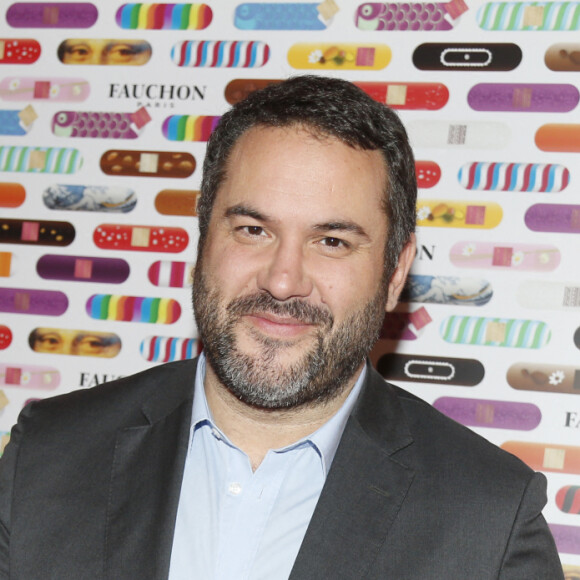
[260, 379]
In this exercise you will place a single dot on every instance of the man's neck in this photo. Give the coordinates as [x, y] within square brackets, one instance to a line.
[256, 431]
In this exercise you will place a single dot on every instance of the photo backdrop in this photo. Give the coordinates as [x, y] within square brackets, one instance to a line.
[105, 109]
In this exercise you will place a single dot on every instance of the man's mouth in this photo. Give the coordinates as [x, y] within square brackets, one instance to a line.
[278, 325]
[279, 319]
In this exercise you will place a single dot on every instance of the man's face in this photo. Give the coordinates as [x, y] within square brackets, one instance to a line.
[290, 291]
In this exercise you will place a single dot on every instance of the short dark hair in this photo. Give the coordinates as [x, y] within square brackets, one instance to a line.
[328, 107]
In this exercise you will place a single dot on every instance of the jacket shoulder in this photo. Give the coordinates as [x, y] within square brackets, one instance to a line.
[442, 444]
[119, 402]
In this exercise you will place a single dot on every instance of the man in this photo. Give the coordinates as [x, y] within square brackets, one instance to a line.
[294, 458]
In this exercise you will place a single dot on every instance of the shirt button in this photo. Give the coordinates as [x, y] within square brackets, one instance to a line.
[216, 433]
[235, 488]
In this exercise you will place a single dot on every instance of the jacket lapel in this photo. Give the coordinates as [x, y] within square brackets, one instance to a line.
[363, 492]
[146, 482]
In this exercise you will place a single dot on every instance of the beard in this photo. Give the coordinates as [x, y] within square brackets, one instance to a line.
[260, 378]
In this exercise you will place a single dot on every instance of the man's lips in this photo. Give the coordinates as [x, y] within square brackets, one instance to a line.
[274, 324]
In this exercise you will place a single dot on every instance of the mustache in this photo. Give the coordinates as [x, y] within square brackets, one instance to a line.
[295, 308]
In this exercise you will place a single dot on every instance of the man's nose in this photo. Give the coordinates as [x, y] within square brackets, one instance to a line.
[284, 274]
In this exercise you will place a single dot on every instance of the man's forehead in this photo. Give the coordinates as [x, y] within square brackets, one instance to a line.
[287, 131]
[324, 188]
[278, 154]
[304, 136]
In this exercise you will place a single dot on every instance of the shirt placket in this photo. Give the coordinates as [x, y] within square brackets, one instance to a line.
[247, 502]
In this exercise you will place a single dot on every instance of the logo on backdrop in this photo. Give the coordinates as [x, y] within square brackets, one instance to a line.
[89, 379]
[426, 252]
[572, 419]
[157, 95]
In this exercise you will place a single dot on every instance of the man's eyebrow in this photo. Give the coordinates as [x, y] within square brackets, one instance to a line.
[342, 226]
[333, 226]
[246, 211]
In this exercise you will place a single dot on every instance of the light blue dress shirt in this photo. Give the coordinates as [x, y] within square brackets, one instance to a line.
[236, 524]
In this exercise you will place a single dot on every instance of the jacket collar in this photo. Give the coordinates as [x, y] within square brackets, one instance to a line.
[380, 416]
[175, 386]
[146, 477]
[364, 491]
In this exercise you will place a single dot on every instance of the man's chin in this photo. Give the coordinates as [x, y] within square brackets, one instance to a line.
[277, 354]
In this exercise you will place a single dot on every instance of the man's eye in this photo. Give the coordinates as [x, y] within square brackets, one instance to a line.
[333, 242]
[254, 230]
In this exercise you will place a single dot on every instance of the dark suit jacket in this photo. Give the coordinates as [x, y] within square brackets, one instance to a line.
[90, 482]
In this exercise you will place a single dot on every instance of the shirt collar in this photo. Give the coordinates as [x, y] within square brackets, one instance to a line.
[325, 439]
[200, 411]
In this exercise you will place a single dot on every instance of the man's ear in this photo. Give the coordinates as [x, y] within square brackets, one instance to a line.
[399, 277]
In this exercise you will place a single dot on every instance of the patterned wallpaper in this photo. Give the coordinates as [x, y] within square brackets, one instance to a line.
[105, 109]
